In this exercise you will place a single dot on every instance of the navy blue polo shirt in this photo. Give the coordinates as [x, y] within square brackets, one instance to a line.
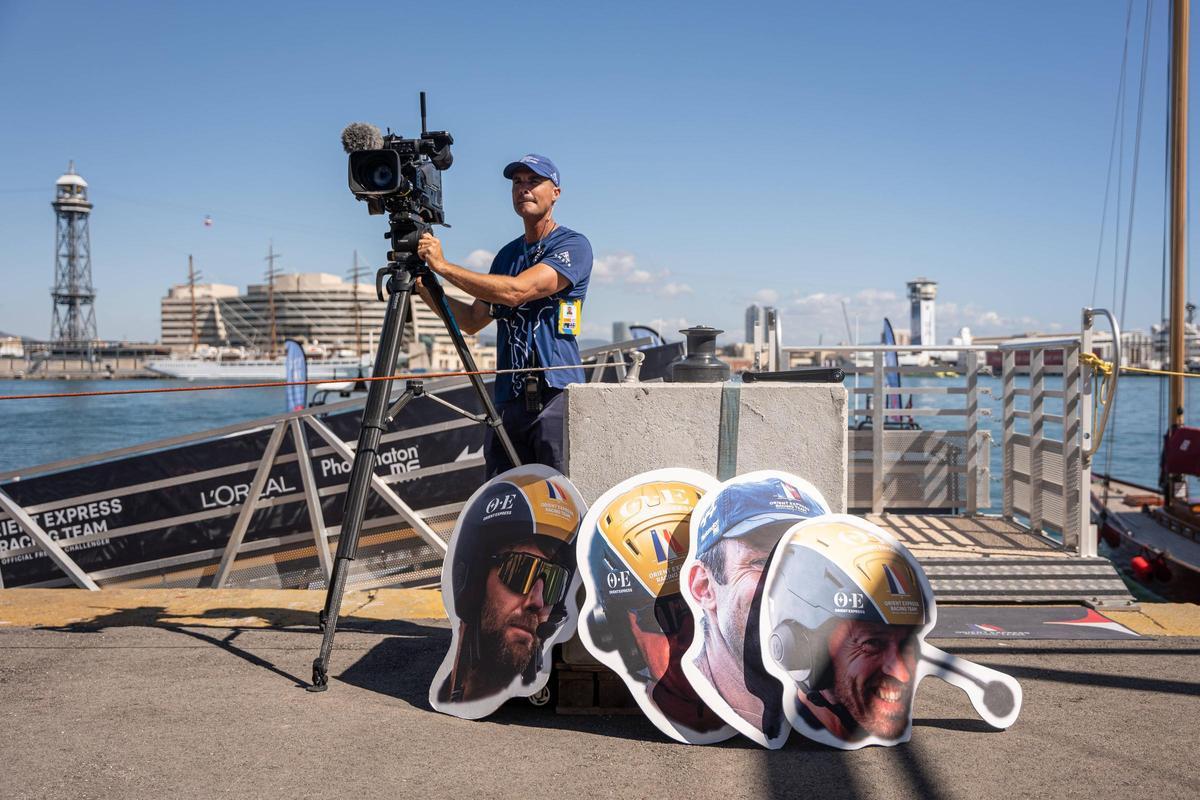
[530, 334]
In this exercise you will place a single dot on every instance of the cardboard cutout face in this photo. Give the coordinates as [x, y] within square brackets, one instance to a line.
[631, 548]
[845, 613]
[734, 530]
[509, 583]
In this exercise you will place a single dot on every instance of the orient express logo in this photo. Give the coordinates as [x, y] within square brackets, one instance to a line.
[500, 506]
[850, 602]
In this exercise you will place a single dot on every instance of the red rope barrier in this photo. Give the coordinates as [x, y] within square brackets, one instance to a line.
[274, 384]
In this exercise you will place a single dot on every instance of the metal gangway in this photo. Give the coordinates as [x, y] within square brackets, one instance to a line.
[926, 473]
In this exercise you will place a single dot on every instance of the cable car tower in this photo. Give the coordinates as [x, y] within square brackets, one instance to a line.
[74, 315]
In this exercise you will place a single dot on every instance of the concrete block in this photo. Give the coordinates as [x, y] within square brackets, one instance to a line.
[617, 430]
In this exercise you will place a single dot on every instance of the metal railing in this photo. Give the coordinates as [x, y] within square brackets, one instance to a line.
[896, 467]
[1047, 479]
[1047, 437]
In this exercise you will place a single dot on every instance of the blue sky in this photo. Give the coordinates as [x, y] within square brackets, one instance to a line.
[800, 153]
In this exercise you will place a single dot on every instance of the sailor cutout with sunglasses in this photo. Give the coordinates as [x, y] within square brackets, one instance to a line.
[512, 564]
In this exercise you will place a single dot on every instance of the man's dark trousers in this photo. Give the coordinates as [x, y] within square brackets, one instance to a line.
[537, 438]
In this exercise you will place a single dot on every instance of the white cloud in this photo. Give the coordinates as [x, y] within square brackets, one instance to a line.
[612, 268]
[673, 289]
[819, 316]
[479, 260]
[668, 327]
[766, 296]
[622, 268]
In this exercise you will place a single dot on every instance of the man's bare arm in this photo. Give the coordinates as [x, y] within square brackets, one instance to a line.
[471, 317]
[540, 280]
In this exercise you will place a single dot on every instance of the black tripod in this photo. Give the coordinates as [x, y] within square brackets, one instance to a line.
[401, 273]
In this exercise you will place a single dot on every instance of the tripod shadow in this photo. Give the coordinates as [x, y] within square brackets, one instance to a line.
[378, 674]
[402, 665]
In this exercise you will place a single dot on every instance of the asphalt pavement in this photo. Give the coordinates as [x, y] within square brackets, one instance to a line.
[130, 705]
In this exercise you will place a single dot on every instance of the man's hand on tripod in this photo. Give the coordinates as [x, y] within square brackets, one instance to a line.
[421, 290]
[429, 248]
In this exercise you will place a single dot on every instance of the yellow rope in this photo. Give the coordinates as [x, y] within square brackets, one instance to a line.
[1160, 372]
[1106, 368]
[1096, 363]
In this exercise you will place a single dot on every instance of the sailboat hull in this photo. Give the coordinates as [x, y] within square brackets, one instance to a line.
[1163, 562]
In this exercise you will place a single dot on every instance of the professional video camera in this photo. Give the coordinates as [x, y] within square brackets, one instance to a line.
[402, 177]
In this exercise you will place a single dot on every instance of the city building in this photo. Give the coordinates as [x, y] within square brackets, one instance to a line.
[1137, 349]
[318, 309]
[921, 293]
[1161, 335]
[761, 319]
[764, 332]
[11, 346]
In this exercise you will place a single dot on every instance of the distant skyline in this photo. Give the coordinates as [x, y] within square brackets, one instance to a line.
[801, 155]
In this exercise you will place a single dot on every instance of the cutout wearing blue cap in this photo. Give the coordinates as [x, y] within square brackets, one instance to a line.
[535, 163]
[742, 507]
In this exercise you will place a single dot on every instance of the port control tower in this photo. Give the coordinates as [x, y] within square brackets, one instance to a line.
[74, 316]
[921, 293]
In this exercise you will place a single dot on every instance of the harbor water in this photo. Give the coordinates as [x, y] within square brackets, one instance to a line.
[42, 431]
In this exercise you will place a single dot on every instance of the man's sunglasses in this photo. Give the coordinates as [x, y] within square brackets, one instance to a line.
[520, 571]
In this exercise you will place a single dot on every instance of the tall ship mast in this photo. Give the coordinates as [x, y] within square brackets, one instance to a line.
[1173, 484]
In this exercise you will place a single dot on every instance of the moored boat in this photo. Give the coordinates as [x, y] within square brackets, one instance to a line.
[1152, 533]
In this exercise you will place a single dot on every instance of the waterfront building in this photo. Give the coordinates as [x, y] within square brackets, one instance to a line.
[1161, 335]
[318, 309]
[752, 314]
[764, 331]
[760, 320]
[11, 346]
[921, 294]
[1137, 349]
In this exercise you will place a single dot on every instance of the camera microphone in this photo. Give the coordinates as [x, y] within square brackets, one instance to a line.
[361, 136]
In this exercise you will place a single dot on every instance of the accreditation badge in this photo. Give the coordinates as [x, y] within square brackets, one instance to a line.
[569, 312]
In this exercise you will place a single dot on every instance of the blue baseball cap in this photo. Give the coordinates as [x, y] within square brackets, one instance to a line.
[538, 164]
[740, 508]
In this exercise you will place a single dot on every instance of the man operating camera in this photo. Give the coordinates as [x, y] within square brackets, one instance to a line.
[535, 291]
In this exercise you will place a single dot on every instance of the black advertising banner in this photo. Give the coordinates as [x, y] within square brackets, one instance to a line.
[186, 499]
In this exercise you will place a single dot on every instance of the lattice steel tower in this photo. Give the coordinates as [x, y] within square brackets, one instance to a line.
[74, 298]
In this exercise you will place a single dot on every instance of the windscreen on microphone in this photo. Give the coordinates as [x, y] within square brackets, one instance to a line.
[361, 136]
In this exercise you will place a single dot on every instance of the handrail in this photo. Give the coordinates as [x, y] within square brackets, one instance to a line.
[1110, 382]
[893, 348]
[1030, 343]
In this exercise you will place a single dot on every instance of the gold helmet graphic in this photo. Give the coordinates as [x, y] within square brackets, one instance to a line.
[889, 588]
[554, 512]
[647, 529]
[838, 569]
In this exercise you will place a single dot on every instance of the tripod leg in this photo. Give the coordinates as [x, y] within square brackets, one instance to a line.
[464, 353]
[400, 288]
